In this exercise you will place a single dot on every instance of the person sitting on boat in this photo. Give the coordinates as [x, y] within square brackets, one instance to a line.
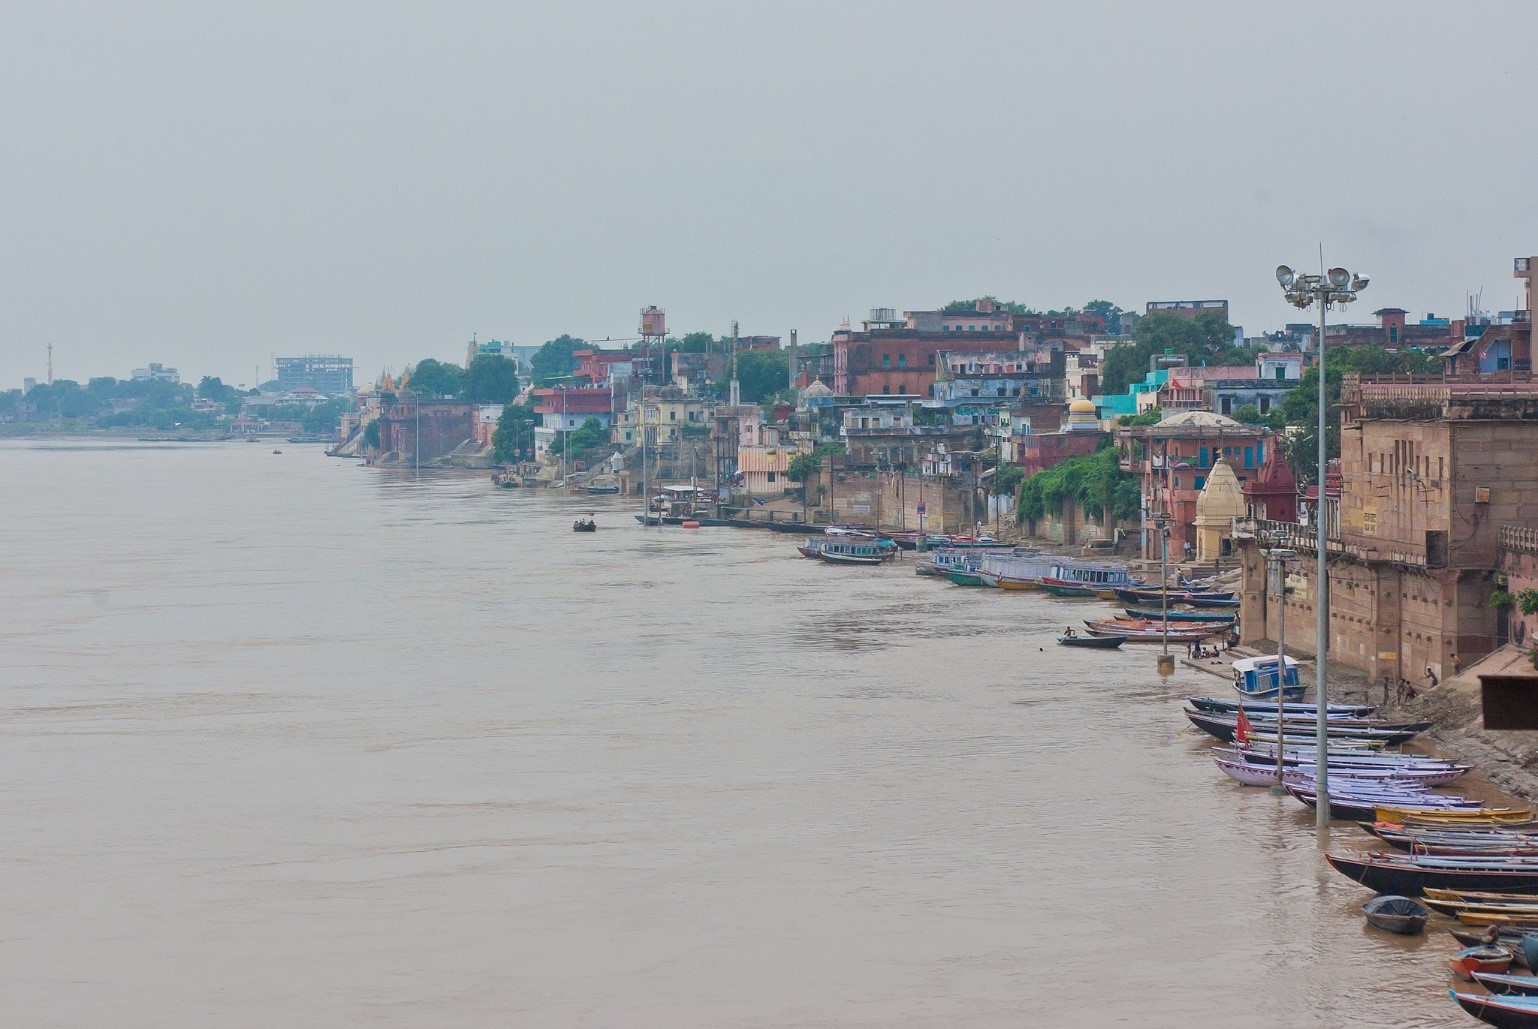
[1068, 632]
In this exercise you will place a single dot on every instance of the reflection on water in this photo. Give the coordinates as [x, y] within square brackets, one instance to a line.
[290, 741]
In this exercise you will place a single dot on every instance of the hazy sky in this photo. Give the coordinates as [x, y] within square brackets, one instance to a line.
[209, 185]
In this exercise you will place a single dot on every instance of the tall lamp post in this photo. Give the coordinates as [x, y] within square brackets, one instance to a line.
[1162, 524]
[1336, 286]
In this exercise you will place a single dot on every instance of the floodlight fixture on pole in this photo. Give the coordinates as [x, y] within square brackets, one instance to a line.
[1336, 286]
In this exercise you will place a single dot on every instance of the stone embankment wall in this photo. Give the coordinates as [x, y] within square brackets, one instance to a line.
[1510, 759]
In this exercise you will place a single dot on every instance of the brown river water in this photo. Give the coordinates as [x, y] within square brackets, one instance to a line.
[288, 741]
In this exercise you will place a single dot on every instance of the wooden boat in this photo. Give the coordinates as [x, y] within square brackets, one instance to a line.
[1474, 816]
[1154, 595]
[1224, 728]
[1060, 588]
[1436, 893]
[1408, 876]
[584, 525]
[1397, 914]
[1152, 631]
[1523, 945]
[1100, 578]
[1155, 615]
[1502, 1012]
[1098, 642]
[1224, 706]
[602, 491]
[963, 578]
[856, 552]
[1508, 985]
[1466, 962]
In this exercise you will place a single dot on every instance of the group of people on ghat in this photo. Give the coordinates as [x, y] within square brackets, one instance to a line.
[1404, 689]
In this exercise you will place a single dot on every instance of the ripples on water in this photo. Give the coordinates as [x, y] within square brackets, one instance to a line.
[290, 741]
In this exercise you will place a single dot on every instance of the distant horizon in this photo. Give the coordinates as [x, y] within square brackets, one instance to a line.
[211, 187]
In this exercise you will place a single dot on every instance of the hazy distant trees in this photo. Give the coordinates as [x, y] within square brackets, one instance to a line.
[762, 374]
[556, 359]
[433, 379]
[514, 438]
[1207, 339]
[491, 379]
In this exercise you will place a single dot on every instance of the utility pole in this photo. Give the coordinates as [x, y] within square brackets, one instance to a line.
[50, 364]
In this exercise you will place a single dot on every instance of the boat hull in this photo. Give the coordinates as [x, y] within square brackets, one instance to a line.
[1411, 881]
[1501, 1012]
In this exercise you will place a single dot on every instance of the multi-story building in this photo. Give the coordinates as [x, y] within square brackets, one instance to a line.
[885, 433]
[326, 373]
[1431, 471]
[1174, 458]
[156, 372]
[894, 356]
[667, 412]
[566, 410]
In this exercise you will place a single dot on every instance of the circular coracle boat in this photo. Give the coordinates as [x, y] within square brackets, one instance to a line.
[1397, 914]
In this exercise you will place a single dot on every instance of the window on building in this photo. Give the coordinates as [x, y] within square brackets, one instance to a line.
[673, 416]
[931, 360]
[1227, 405]
[902, 360]
[887, 388]
[971, 328]
[1265, 405]
[886, 360]
[1393, 337]
[771, 479]
[1200, 481]
[1249, 457]
[1202, 457]
[1281, 373]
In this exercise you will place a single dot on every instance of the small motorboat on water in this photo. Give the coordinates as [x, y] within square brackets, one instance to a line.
[585, 524]
[1397, 914]
[1096, 642]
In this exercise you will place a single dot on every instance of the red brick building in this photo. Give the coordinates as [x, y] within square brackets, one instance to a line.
[425, 430]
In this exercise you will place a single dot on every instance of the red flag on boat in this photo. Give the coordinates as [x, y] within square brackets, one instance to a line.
[1243, 729]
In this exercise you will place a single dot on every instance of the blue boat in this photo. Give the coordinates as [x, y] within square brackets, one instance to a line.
[1256, 677]
[1154, 614]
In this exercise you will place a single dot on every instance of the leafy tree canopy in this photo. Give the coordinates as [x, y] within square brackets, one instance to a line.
[434, 379]
[556, 360]
[1109, 311]
[803, 465]
[1206, 339]
[762, 373]
[491, 379]
[1095, 481]
[514, 438]
[1007, 306]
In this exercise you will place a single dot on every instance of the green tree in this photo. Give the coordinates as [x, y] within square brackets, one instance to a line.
[491, 379]
[586, 436]
[1298, 413]
[1249, 414]
[762, 373]
[803, 465]
[1152, 416]
[556, 359]
[323, 419]
[1207, 339]
[434, 379]
[213, 388]
[1095, 481]
[514, 438]
[1007, 306]
[1007, 480]
[371, 435]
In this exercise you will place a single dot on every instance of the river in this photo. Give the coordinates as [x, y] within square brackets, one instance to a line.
[289, 741]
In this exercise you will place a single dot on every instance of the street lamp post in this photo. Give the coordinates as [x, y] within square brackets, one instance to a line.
[1336, 286]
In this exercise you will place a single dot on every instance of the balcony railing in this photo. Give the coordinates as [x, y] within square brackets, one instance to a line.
[1519, 537]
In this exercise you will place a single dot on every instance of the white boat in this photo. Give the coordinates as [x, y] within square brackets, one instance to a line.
[1256, 677]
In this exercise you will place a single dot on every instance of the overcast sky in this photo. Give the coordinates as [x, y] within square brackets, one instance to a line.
[213, 184]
